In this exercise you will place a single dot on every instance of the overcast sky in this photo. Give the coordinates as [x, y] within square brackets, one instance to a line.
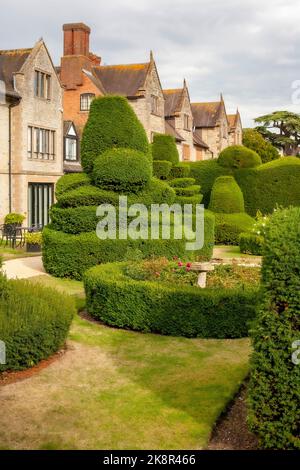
[247, 49]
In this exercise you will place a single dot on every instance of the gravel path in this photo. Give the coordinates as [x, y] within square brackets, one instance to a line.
[24, 268]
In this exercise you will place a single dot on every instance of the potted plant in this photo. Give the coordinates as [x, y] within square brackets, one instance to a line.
[14, 219]
[33, 242]
[12, 222]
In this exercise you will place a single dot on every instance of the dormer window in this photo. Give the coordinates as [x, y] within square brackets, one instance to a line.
[154, 105]
[42, 85]
[71, 143]
[86, 100]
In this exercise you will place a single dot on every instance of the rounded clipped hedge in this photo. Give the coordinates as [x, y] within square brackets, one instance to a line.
[187, 190]
[274, 183]
[34, 323]
[148, 306]
[156, 191]
[226, 196]
[74, 219]
[182, 182]
[264, 187]
[205, 173]
[274, 393]
[164, 148]
[230, 226]
[238, 156]
[161, 169]
[253, 140]
[181, 170]
[67, 255]
[194, 200]
[71, 181]
[121, 169]
[251, 244]
[112, 123]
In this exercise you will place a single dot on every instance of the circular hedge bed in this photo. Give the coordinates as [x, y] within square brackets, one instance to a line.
[34, 323]
[120, 299]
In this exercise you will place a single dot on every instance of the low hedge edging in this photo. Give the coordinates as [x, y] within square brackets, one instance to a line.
[251, 244]
[146, 306]
[34, 323]
[229, 227]
[69, 255]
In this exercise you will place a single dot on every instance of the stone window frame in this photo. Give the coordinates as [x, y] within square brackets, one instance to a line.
[42, 84]
[186, 122]
[154, 105]
[41, 143]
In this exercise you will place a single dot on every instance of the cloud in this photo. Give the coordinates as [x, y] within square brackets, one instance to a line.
[248, 50]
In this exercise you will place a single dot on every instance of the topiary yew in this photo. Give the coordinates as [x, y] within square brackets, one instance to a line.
[124, 170]
[112, 123]
[238, 156]
[274, 394]
[164, 148]
[226, 196]
[71, 181]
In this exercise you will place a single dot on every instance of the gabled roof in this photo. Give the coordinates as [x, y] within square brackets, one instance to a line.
[173, 101]
[11, 62]
[198, 141]
[233, 119]
[206, 114]
[170, 130]
[127, 80]
[95, 80]
[67, 126]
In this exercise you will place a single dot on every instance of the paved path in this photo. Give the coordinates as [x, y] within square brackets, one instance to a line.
[23, 268]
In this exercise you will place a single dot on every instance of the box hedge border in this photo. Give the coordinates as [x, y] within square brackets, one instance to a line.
[67, 255]
[34, 322]
[170, 310]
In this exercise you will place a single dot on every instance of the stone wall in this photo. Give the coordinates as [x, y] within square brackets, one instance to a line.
[4, 150]
[37, 112]
[153, 123]
[186, 134]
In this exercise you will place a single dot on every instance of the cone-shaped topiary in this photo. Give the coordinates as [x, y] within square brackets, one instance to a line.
[226, 196]
[122, 170]
[112, 123]
[274, 394]
[164, 148]
[238, 156]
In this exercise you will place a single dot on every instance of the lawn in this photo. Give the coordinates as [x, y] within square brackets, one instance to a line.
[116, 389]
[8, 253]
[232, 252]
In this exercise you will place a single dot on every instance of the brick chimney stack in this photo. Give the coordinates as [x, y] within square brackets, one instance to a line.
[76, 39]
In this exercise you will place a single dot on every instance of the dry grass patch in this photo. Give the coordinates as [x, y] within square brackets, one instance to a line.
[116, 389]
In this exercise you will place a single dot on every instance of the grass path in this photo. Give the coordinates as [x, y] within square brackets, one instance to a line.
[230, 252]
[116, 389]
[124, 390]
